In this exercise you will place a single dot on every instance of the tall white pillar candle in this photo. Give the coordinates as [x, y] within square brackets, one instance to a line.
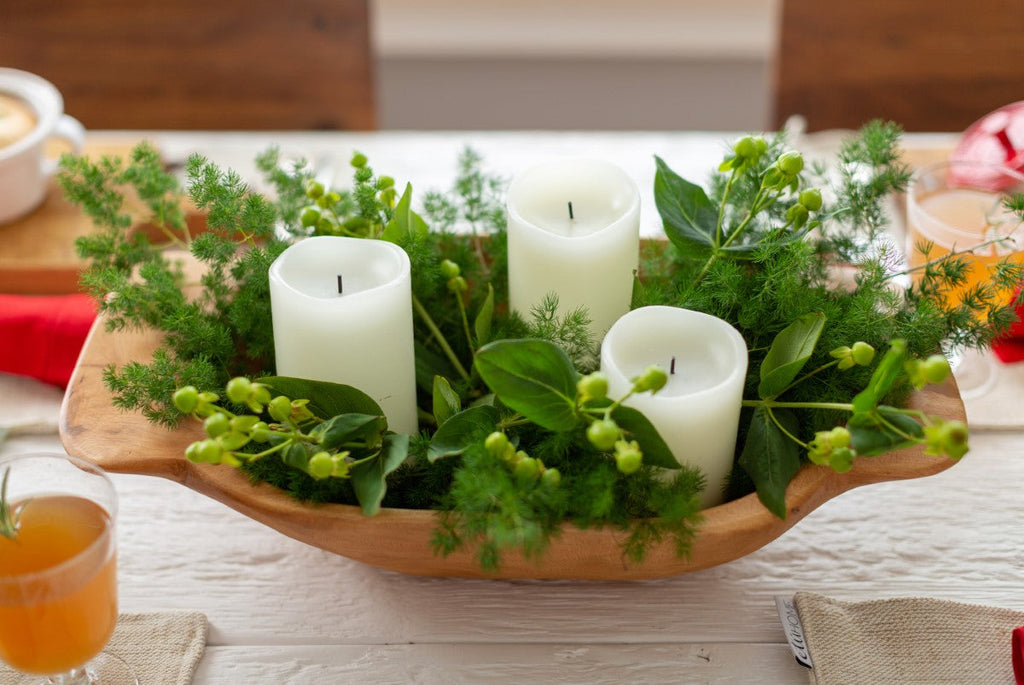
[588, 258]
[361, 336]
[697, 412]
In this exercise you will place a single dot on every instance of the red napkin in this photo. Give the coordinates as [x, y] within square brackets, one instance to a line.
[1017, 641]
[41, 336]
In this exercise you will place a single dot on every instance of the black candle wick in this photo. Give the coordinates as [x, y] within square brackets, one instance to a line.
[571, 217]
[672, 366]
[340, 287]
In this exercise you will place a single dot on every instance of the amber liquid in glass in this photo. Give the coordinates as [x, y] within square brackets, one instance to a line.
[970, 213]
[58, 585]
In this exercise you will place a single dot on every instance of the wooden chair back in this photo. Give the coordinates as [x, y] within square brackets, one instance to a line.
[929, 65]
[199, 64]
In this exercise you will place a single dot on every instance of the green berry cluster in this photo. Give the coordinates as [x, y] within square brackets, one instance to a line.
[861, 354]
[327, 215]
[933, 370]
[832, 448]
[525, 469]
[746, 153]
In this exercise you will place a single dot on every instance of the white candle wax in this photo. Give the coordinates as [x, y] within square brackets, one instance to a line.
[697, 412]
[361, 337]
[588, 260]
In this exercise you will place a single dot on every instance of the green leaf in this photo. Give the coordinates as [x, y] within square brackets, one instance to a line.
[770, 457]
[484, 317]
[325, 399]
[462, 430]
[789, 353]
[533, 377]
[405, 223]
[369, 477]
[885, 374]
[689, 217]
[446, 401]
[345, 428]
[297, 455]
[877, 432]
[656, 452]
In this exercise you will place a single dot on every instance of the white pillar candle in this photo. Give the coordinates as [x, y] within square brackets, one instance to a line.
[361, 336]
[588, 259]
[697, 412]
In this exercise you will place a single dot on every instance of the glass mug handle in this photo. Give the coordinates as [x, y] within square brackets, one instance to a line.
[71, 130]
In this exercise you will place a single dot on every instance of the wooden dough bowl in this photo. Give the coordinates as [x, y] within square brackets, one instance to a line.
[399, 539]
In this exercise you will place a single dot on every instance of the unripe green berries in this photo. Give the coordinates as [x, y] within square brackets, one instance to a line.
[321, 465]
[797, 215]
[862, 353]
[526, 469]
[551, 478]
[260, 432]
[935, 369]
[217, 424]
[593, 386]
[314, 189]
[653, 379]
[603, 434]
[280, 408]
[745, 147]
[628, 457]
[358, 160]
[238, 389]
[791, 163]
[496, 443]
[186, 399]
[947, 437]
[458, 285]
[209, 451]
[811, 199]
[310, 216]
[450, 269]
[385, 182]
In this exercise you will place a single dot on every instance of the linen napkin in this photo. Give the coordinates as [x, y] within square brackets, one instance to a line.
[42, 335]
[907, 640]
[163, 648]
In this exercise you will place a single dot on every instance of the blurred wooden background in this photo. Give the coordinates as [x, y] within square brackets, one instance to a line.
[199, 64]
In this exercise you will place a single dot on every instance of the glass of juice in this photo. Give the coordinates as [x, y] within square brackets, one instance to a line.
[58, 571]
[957, 207]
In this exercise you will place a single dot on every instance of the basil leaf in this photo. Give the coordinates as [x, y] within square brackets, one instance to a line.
[325, 399]
[789, 352]
[533, 377]
[689, 218]
[369, 477]
[484, 317]
[404, 223]
[870, 435]
[770, 457]
[462, 430]
[338, 430]
[446, 402]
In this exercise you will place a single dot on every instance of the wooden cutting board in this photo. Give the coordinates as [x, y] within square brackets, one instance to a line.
[37, 252]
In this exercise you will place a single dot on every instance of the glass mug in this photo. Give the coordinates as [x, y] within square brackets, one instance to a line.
[58, 575]
[954, 206]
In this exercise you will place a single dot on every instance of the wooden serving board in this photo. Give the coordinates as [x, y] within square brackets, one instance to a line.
[399, 540]
[37, 252]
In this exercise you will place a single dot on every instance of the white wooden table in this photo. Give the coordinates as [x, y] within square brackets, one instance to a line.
[283, 612]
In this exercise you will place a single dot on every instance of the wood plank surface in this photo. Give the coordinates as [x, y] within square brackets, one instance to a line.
[37, 252]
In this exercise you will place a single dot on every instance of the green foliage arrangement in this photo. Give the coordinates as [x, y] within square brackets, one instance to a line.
[518, 434]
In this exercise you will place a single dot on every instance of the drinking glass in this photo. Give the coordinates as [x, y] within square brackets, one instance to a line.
[957, 205]
[58, 575]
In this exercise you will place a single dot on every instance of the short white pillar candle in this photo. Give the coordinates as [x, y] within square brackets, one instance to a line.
[589, 257]
[342, 312]
[697, 412]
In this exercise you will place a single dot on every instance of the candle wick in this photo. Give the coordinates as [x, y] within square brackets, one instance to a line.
[672, 367]
[571, 217]
[340, 288]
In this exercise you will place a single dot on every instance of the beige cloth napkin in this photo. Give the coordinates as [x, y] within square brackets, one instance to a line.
[163, 648]
[914, 641]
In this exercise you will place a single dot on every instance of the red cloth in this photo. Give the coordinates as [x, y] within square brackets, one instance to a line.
[1017, 641]
[41, 336]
